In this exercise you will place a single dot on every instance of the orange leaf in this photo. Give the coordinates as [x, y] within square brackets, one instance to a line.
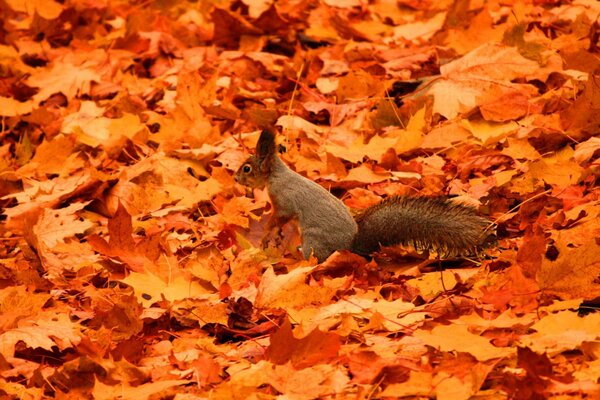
[315, 348]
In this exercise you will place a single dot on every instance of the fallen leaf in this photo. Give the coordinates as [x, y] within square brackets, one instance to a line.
[562, 331]
[458, 338]
[315, 348]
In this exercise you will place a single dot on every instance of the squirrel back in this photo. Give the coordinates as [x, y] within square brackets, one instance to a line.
[326, 224]
[426, 223]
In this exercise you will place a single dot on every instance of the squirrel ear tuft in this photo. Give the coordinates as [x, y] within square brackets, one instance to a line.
[266, 144]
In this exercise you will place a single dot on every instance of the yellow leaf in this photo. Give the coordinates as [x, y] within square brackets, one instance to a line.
[358, 84]
[431, 284]
[46, 331]
[562, 331]
[63, 77]
[418, 384]
[575, 271]
[445, 136]
[290, 290]
[355, 152]
[520, 149]
[561, 174]
[10, 107]
[149, 288]
[458, 338]
[364, 174]
[47, 9]
[489, 132]
[54, 226]
[123, 391]
[422, 30]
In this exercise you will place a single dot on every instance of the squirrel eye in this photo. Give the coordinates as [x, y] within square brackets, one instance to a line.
[246, 168]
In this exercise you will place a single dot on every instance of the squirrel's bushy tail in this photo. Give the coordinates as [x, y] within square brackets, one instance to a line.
[432, 224]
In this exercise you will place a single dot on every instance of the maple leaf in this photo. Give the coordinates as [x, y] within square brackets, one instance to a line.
[48, 330]
[64, 77]
[126, 392]
[458, 338]
[45, 194]
[91, 128]
[122, 245]
[149, 288]
[368, 367]
[18, 303]
[45, 9]
[574, 272]
[143, 112]
[10, 107]
[582, 115]
[562, 331]
[480, 76]
[316, 347]
[290, 290]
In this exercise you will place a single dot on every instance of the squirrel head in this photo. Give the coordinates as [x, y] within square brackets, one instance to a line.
[255, 171]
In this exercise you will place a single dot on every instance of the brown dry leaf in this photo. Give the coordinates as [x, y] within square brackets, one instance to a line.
[237, 211]
[505, 320]
[54, 226]
[56, 156]
[418, 30]
[159, 180]
[246, 268]
[449, 386]
[90, 127]
[520, 149]
[41, 195]
[337, 112]
[510, 106]
[207, 265]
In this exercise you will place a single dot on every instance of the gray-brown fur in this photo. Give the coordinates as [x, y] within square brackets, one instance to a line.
[325, 223]
[425, 223]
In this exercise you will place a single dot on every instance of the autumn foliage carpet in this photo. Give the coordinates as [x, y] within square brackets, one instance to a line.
[130, 265]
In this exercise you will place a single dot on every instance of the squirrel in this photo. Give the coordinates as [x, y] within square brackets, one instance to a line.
[326, 225]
